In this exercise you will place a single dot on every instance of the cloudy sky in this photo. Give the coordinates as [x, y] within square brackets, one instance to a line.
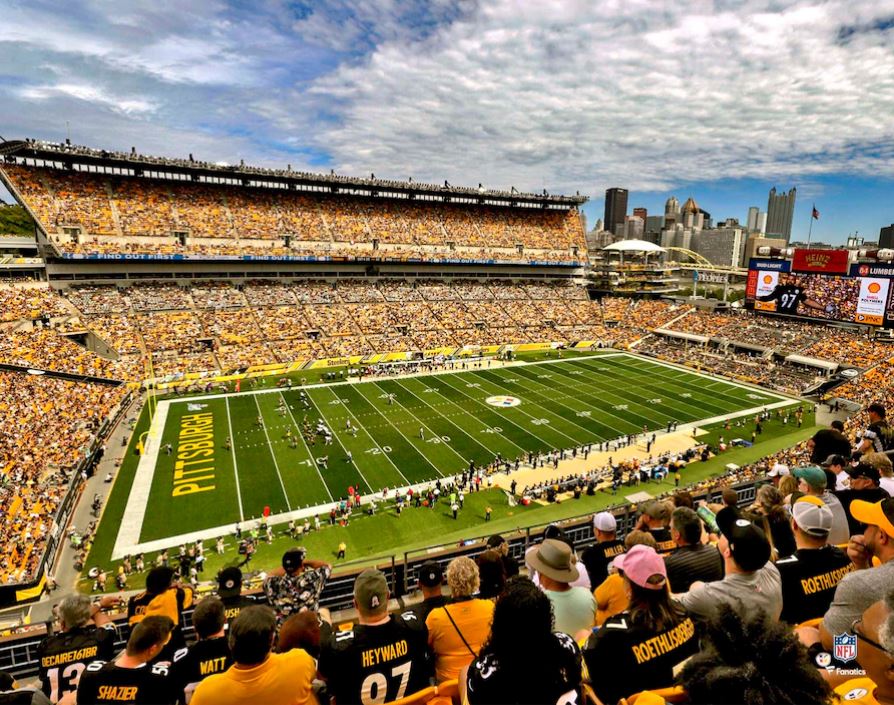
[716, 99]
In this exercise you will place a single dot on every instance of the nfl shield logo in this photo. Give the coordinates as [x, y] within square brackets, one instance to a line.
[845, 647]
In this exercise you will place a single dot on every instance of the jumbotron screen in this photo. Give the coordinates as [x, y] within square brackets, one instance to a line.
[853, 297]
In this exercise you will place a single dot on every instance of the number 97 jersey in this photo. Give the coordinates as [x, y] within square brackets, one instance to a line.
[64, 657]
[378, 664]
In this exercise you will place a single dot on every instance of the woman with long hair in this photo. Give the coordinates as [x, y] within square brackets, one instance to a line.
[640, 647]
[492, 572]
[769, 504]
[524, 661]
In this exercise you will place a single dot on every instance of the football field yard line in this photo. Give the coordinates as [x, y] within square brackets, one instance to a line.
[304, 443]
[582, 396]
[361, 427]
[273, 454]
[596, 398]
[555, 399]
[472, 417]
[235, 465]
[544, 412]
[663, 388]
[690, 378]
[663, 391]
[453, 450]
[521, 428]
[632, 397]
[447, 419]
[394, 426]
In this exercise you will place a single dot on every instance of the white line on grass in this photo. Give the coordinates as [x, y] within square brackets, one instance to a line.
[370, 436]
[507, 419]
[313, 460]
[235, 466]
[273, 455]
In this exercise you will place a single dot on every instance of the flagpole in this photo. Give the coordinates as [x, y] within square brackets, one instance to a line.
[810, 229]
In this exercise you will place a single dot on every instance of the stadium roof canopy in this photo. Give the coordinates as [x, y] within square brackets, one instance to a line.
[132, 163]
[633, 246]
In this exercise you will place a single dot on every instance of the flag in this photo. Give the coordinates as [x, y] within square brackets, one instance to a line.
[815, 213]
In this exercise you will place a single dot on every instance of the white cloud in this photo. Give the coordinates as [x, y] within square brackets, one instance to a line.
[91, 94]
[645, 94]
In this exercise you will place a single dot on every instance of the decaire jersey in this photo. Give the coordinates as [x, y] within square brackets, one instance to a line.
[63, 657]
[623, 659]
[108, 684]
[377, 664]
[191, 666]
[809, 578]
[787, 297]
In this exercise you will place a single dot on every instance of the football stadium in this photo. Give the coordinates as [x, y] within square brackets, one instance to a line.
[307, 436]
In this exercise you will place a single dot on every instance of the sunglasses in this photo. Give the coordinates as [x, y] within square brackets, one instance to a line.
[863, 637]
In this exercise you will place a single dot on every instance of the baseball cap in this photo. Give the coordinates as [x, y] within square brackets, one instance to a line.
[812, 516]
[229, 582]
[812, 475]
[835, 459]
[431, 574]
[294, 558]
[605, 521]
[553, 559]
[864, 470]
[747, 541]
[371, 590]
[778, 470]
[641, 563]
[880, 514]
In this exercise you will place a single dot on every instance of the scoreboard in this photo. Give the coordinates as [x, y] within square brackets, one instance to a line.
[822, 285]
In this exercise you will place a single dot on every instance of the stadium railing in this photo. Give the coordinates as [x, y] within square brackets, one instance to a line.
[18, 653]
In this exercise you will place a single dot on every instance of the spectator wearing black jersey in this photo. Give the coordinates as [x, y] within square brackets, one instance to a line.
[383, 657]
[209, 655]
[864, 484]
[878, 436]
[692, 560]
[523, 661]
[130, 678]
[229, 590]
[87, 635]
[655, 519]
[811, 574]
[431, 580]
[640, 647]
[597, 557]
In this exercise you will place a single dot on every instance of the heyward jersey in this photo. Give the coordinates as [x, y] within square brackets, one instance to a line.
[64, 657]
[787, 297]
[377, 664]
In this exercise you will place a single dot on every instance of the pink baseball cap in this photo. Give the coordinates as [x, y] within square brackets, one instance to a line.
[641, 563]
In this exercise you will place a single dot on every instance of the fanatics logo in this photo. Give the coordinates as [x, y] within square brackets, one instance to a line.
[845, 647]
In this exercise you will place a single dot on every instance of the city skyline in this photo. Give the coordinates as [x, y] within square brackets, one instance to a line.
[694, 98]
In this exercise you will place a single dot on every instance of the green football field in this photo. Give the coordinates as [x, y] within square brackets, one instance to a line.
[403, 431]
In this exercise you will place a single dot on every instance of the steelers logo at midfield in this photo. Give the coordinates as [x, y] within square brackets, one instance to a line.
[503, 401]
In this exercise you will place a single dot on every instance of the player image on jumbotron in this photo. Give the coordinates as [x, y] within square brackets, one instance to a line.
[813, 295]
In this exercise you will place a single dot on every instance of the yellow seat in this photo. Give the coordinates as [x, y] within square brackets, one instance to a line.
[675, 694]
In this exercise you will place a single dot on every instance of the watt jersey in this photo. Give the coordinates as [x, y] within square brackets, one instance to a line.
[63, 657]
[377, 664]
[191, 666]
[109, 684]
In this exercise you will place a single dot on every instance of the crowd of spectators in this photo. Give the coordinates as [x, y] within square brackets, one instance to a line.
[45, 426]
[142, 216]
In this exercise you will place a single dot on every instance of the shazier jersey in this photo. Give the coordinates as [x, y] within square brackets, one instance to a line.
[378, 664]
[109, 684]
[64, 657]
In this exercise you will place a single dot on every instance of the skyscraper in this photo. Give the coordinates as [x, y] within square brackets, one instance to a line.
[615, 209]
[780, 209]
[641, 213]
[886, 238]
[753, 212]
